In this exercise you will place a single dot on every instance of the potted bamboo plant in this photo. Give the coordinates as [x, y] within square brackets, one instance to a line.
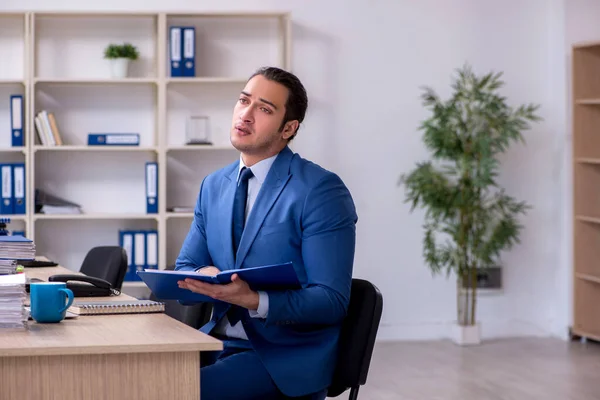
[469, 219]
[120, 56]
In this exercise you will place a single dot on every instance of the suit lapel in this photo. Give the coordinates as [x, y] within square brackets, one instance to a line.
[271, 188]
[226, 214]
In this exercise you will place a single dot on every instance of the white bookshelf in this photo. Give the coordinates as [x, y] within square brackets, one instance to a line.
[60, 68]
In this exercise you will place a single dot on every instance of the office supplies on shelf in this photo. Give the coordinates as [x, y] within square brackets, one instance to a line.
[113, 139]
[152, 187]
[16, 120]
[47, 203]
[189, 51]
[163, 283]
[117, 307]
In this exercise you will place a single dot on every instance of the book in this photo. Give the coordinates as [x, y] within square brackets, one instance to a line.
[116, 307]
[163, 283]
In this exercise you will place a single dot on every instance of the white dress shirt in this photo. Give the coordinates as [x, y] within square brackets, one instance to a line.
[260, 171]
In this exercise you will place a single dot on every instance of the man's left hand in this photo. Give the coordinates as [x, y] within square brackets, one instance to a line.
[237, 292]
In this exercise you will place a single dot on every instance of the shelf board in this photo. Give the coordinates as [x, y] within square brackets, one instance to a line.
[588, 101]
[583, 218]
[13, 149]
[207, 79]
[95, 81]
[199, 148]
[587, 277]
[180, 215]
[15, 217]
[95, 216]
[235, 14]
[11, 81]
[93, 148]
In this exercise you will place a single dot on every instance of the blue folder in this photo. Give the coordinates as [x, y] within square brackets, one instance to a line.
[163, 283]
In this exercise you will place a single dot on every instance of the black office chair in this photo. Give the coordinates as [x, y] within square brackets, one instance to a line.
[106, 262]
[357, 339]
[194, 315]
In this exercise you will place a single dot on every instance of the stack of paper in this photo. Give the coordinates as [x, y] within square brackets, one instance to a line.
[12, 301]
[16, 248]
[8, 267]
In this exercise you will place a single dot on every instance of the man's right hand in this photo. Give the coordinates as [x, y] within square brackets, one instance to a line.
[210, 271]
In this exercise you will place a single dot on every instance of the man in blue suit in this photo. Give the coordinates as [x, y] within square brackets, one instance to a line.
[272, 206]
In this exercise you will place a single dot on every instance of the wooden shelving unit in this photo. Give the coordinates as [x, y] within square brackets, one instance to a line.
[61, 69]
[586, 190]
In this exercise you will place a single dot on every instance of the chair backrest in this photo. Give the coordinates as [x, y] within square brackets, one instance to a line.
[106, 262]
[357, 337]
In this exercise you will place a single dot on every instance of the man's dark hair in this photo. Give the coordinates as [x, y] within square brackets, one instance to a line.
[297, 101]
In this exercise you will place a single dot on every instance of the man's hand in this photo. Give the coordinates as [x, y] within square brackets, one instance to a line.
[237, 292]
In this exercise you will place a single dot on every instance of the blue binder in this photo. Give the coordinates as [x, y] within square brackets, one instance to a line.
[6, 193]
[126, 242]
[163, 283]
[113, 139]
[189, 51]
[175, 47]
[151, 249]
[18, 179]
[16, 120]
[152, 187]
[139, 253]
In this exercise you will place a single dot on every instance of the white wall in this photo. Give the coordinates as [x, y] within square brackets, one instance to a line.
[363, 63]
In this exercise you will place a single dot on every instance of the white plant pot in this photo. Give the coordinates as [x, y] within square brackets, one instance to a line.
[466, 335]
[119, 67]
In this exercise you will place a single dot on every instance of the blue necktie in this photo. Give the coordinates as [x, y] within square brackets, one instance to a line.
[239, 218]
[239, 208]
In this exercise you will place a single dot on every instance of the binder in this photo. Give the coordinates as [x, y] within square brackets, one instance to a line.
[6, 205]
[189, 51]
[175, 41]
[152, 249]
[139, 253]
[16, 120]
[163, 283]
[19, 188]
[152, 187]
[126, 242]
[113, 139]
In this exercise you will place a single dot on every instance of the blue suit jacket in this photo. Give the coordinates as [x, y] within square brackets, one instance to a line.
[302, 214]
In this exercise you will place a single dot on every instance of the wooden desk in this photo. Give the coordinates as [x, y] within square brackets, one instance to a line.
[135, 356]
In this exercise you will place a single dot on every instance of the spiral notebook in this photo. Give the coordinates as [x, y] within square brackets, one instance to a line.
[117, 307]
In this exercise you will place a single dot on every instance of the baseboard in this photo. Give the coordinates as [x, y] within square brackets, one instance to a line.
[442, 330]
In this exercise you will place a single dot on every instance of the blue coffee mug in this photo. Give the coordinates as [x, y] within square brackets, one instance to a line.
[48, 301]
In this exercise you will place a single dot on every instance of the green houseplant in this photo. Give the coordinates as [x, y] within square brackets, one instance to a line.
[469, 219]
[120, 56]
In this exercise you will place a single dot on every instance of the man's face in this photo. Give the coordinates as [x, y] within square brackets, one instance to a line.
[257, 117]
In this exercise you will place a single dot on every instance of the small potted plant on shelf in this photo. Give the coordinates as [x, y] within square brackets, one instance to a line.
[120, 56]
[469, 219]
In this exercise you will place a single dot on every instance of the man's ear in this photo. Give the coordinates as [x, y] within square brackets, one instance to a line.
[290, 129]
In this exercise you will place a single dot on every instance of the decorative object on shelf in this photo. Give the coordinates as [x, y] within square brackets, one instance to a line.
[120, 56]
[464, 203]
[197, 131]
